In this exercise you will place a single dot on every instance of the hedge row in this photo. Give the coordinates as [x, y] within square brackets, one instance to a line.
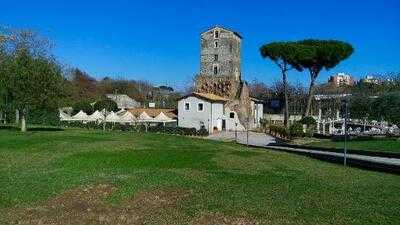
[295, 130]
[139, 128]
[278, 131]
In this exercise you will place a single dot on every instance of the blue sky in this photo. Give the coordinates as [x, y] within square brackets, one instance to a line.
[159, 40]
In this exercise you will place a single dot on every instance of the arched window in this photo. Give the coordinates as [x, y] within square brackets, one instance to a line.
[215, 70]
[216, 34]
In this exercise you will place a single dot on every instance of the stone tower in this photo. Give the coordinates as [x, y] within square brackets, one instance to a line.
[220, 53]
[220, 69]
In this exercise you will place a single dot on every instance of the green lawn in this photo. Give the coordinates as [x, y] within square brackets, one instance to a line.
[90, 177]
[384, 144]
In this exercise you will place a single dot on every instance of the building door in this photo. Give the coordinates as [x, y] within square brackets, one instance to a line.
[223, 124]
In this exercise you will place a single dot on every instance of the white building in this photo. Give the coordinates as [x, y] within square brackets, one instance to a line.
[209, 111]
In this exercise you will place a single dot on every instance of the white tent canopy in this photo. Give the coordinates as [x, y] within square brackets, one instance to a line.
[80, 116]
[113, 118]
[127, 117]
[144, 117]
[163, 118]
[96, 116]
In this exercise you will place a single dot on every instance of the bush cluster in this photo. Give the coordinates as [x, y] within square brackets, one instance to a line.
[278, 131]
[139, 128]
[296, 130]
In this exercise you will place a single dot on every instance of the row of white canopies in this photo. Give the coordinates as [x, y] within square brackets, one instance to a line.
[119, 117]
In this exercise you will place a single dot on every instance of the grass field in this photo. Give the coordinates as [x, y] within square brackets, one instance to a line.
[90, 177]
[386, 145]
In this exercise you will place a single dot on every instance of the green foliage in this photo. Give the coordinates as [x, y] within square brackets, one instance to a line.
[360, 106]
[278, 131]
[296, 130]
[308, 120]
[106, 104]
[316, 55]
[85, 106]
[138, 128]
[387, 106]
[30, 79]
[284, 54]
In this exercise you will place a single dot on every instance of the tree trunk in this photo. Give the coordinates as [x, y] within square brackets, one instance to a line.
[286, 109]
[23, 120]
[310, 93]
[17, 117]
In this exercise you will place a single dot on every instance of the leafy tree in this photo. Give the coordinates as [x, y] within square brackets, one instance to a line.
[361, 106]
[315, 55]
[84, 106]
[31, 79]
[387, 107]
[284, 55]
[106, 104]
[37, 84]
[83, 86]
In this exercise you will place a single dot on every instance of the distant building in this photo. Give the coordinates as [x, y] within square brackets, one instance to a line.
[123, 101]
[371, 79]
[341, 79]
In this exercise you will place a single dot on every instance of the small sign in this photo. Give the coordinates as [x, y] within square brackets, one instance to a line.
[152, 105]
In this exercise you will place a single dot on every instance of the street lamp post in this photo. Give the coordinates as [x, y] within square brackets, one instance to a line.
[345, 131]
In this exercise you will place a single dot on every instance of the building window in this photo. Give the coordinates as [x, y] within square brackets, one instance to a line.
[232, 115]
[216, 34]
[187, 106]
[215, 70]
[216, 44]
[200, 107]
[215, 57]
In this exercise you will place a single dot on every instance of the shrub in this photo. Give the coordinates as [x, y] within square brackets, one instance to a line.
[296, 130]
[308, 120]
[84, 106]
[138, 128]
[202, 132]
[107, 104]
[278, 131]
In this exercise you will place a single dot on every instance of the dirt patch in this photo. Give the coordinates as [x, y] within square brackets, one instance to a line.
[86, 206]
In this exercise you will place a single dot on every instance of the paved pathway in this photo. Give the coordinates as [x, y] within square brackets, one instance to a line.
[256, 139]
[264, 140]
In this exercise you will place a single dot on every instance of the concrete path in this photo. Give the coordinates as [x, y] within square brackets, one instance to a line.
[264, 140]
[255, 139]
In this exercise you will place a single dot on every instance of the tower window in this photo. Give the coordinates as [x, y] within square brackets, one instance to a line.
[215, 70]
[216, 34]
[216, 44]
[187, 106]
[215, 57]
